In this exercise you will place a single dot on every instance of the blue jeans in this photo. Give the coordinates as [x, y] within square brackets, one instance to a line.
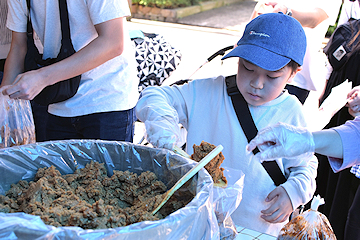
[113, 126]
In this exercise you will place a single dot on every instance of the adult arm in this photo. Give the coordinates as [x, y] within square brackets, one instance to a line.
[14, 64]
[328, 143]
[287, 141]
[106, 46]
[340, 143]
[310, 18]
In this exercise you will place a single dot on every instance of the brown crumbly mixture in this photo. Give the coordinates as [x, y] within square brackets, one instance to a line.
[90, 199]
[213, 167]
[299, 228]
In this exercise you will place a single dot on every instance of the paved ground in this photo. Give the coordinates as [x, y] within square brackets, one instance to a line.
[231, 17]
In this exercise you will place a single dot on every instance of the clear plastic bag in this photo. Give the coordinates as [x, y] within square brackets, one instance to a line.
[17, 123]
[309, 225]
[225, 202]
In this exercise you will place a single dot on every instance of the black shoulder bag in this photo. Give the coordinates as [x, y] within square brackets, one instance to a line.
[342, 42]
[62, 90]
[247, 124]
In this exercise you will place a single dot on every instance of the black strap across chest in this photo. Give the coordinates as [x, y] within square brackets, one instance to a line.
[64, 19]
[247, 124]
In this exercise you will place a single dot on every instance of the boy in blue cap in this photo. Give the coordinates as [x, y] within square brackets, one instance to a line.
[270, 53]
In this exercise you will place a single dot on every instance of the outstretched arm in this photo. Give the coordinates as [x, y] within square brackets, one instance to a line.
[286, 141]
[310, 18]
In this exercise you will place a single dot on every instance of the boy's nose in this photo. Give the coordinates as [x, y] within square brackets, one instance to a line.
[257, 83]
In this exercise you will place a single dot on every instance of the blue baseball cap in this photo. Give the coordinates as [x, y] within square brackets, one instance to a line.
[270, 41]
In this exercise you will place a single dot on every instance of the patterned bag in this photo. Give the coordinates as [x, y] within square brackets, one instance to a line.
[156, 59]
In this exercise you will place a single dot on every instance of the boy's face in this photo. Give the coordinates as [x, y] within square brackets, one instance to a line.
[259, 86]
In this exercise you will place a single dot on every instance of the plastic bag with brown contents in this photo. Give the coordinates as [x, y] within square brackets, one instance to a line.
[16, 122]
[309, 225]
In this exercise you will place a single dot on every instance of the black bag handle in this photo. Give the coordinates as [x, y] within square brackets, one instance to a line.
[247, 124]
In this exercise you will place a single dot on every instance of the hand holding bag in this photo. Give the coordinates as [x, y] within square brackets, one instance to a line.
[62, 90]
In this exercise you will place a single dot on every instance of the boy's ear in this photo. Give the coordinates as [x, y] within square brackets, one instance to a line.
[294, 73]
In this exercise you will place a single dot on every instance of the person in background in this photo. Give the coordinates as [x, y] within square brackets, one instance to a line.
[339, 189]
[350, 9]
[315, 16]
[340, 144]
[5, 36]
[205, 109]
[103, 107]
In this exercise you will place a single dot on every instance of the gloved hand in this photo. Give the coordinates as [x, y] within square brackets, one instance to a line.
[282, 141]
[162, 133]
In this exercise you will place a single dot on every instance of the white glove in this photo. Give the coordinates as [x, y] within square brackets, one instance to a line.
[162, 134]
[282, 141]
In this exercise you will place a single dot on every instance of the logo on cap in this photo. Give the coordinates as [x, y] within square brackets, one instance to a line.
[259, 34]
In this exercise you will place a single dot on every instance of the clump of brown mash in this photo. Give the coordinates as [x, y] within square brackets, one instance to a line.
[90, 199]
[213, 167]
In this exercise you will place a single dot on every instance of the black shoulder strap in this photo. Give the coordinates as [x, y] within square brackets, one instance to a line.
[64, 19]
[247, 124]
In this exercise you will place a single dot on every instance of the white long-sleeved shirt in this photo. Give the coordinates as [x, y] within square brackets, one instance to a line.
[204, 108]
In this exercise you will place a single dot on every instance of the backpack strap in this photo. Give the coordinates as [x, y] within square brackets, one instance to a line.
[247, 124]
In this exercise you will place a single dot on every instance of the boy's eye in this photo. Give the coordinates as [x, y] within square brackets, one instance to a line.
[272, 77]
[247, 68]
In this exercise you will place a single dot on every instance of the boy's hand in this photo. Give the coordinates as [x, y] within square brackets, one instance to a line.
[280, 208]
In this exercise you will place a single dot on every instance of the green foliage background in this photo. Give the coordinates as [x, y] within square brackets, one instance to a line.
[331, 29]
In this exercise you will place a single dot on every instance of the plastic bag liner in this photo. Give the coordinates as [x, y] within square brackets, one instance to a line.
[196, 220]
